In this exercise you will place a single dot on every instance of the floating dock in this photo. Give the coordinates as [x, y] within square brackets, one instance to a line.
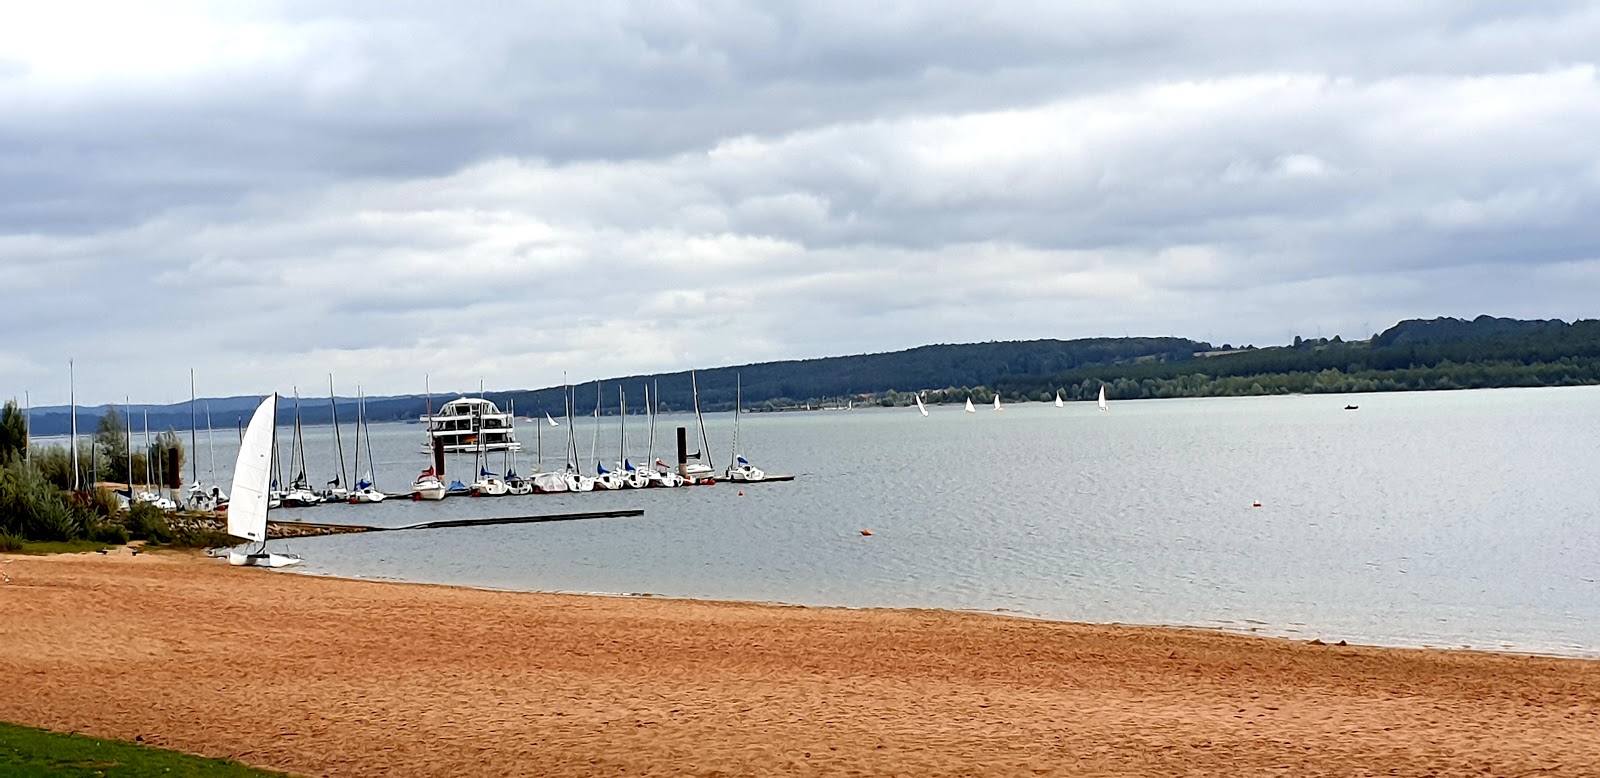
[278, 528]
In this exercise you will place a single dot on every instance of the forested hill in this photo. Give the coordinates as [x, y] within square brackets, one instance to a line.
[1414, 354]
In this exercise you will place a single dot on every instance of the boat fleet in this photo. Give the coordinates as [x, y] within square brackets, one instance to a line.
[477, 426]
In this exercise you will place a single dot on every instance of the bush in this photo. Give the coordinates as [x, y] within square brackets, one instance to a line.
[109, 532]
[9, 542]
[146, 522]
[30, 507]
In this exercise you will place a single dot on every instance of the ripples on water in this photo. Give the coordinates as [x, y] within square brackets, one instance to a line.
[1451, 518]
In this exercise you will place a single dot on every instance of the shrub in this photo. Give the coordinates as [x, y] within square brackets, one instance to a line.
[146, 522]
[9, 542]
[30, 507]
[109, 532]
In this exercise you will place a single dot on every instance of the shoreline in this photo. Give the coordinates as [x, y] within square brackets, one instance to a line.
[323, 675]
[1263, 630]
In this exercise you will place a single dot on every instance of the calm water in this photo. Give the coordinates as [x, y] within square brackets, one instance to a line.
[1448, 519]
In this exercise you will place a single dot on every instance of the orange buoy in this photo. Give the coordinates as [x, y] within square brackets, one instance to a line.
[866, 532]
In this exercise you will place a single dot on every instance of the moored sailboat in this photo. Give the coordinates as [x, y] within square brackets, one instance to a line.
[740, 468]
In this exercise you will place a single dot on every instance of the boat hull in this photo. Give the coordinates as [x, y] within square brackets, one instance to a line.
[264, 559]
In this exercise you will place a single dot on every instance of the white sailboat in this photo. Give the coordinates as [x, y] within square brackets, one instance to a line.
[997, 403]
[576, 481]
[366, 492]
[969, 408]
[699, 472]
[550, 421]
[920, 407]
[247, 511]
[657, 471]
[741, 469]
[1103, 405]
[1059, 403]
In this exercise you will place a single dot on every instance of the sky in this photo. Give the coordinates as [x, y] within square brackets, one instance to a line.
[506, 192]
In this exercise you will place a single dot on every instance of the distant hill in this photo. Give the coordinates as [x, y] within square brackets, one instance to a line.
[771, 384]
[1441, 353]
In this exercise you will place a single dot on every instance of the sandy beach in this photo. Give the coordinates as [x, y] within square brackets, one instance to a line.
[319, 676]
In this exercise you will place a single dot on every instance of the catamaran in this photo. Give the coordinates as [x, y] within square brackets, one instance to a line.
[247, 511]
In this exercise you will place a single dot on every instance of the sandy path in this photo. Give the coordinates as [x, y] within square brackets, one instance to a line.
[331, 677]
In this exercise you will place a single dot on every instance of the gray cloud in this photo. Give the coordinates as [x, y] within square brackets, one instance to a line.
[384, 190]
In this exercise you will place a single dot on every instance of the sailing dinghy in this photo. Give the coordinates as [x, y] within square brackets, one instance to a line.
[1059, 403]
[970, 409]
[920, 407]
[1103, 405]
[247, 511]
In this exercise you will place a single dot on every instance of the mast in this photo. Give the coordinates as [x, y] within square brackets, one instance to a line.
[27, 427]
[622, 427]
[511, 405]
[594, 445]
[127, 410]
[194, 442]
[371, 467]
[738, 403]
[72, 392]
[705, 447]
[211, 448]
[338, 440]
[149, 453]
[538, 447]
[572, 436]
[298, 444]
[650, 450]
[360, 412]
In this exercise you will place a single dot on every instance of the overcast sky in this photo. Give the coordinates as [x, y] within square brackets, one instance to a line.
[267, 192]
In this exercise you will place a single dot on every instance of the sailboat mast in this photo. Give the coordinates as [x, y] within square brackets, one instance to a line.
[72, 393]
[650, 451]
[738, 406]
[333, 402]
[372, 464]
[360, 412]
[27, 427]
[127, 410]
[594, 444]
[622, 427]
[194, 441]
[211, 448]
[299, 442]
[148, 452]
[705, 442]
[572, 434]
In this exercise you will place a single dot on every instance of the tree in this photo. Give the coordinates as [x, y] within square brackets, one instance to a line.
[13, 432]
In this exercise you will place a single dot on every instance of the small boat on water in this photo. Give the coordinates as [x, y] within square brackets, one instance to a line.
[428, 486]
[923, 409]
[997, 402]
[1059, 403]
[1102, 401]
[247, 511]
[969, 408]
[1351, 407]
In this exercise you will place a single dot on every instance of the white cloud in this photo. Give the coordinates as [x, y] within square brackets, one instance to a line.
[274, 191]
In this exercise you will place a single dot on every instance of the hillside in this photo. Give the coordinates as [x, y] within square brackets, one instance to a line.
[1442, 353]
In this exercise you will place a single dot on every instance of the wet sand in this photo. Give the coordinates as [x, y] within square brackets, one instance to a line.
[319, 676]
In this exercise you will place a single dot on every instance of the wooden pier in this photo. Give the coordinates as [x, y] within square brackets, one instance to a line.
[279, 528]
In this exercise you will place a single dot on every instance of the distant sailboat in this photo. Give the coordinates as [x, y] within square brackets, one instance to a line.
[1059, 403]
[1103, 405]
[997, 403]
[550, 421]
[970, 409]
[920, 407]
[247, 511]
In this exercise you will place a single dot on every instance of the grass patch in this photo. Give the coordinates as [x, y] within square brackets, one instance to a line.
[25, 751]
[60, 546]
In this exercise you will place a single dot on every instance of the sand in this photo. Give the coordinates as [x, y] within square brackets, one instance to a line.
[320, 676]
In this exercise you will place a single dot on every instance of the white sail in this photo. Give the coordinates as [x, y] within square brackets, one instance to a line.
[1103, 405]
[550, 421]
[921, 407]
[970, 409]
[1059, 403]
[997, 403]
[247, 511]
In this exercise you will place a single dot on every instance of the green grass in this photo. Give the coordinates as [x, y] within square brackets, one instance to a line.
[25, 751]
[60, 546]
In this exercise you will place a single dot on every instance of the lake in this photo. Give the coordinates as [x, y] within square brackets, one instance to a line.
[1426, 518]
